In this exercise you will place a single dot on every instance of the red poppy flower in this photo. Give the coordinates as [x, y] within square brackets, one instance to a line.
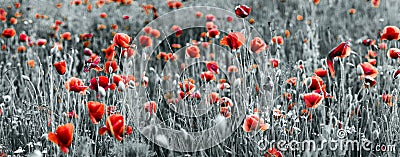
[13, 21]
[274, 62]
[8, 33]
[145, 41]
[393, 53]
[212, 98]
[242, 11]
[155, 33]
[277, 40]
[382, 46]
[128, 52]
[147, 29]
[115, 127]
[372, 61]
[75, 85]
[41, 42]
[63, 136]
[258, 45]
[368, 42]
[92, 63]
[387, 98]
[368, 81]
[225, 111]
[225, 102]
[273, 152]
[233, 40]
[103, 15]
[23, 37]
[110, 52]
[151, 107]
[61, 67]
[396, 73]
[213, 33]
[212, 66]
[390, 33]
[210, 17]
[321, 72]
[178, 30]
[66, 36]
[253, 122]
[110, 67]
[292, 81]
[371, 54]
[187, 86]
[174, 4]
[96, 111]
[232, 68]
[342, 50]
[315, 83]
[368, 69]
[122, 40]
[312, 100]
[316, 2]
[101, 82]
[207, 76]
[193, 51]
[375, 3]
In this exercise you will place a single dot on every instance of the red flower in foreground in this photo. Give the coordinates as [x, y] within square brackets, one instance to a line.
[390, 33]
[368, 69]
[193, 51]
[253, 122]
[233, 40]
[258, 45]
[207, 76]
[321, 72]
[342, 50]
[368, 81]
[8, 33]
[96, 111]
[101, 81]
[151, 107]
[63, 136]
[110, 67]
[242, 11]
[61, 67]
[66, 36]
[122, 40]
[393, 53]
[75, 85]
[110, 52]
[115, 127]
[41, 42]
[312, 100]
[23, 37]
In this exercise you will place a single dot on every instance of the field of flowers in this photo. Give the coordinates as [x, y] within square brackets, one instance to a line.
[199, 78]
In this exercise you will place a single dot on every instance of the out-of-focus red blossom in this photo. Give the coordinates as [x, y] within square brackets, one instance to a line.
[23, 37]
[66, 36]
[387, 98]
[390, 33]
[41, 42]
[396, 74]
[178, 30]
[21, 48]
[101, 27]
[62, 137]
[274, 62]
[76, 2]
[110, 52]
[114, 26]
[367, 69]
[368, 81]
[292, 81]
[372, 61]
[115, 126]
[368, 42]
[145, 41]
[342, 50]
[209, 25]
[155, 33]
[312, 100]
[147, 29]
[277, 40]
[31, 63]
[382, 46]
[316, 2]
[225, 111]
[242, 11]
[13, 21]
[122, 40]
[110, 67]
[210, 17]
[8, 33]
[193, 51]
[375, 3]
[258, 45]
[3, 47]
[174, 4]
[393, 53]
[213, 33]
[61, 67]
[207, 76]
[229, 18]
[128, 52]
[125, 17]
[273, 152]
[17, 5]
[96, 111]
[176, 46]
[198, 14]
[166, 56]
[372, 54]
[253, 123]
[233, 40]
[89, 7]
[321, 72]
[212, 66]
[101, 81]
[232, 69]
[212, 98]
[75, 85]
[151, 107]
[85, 36]
[103, 15]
